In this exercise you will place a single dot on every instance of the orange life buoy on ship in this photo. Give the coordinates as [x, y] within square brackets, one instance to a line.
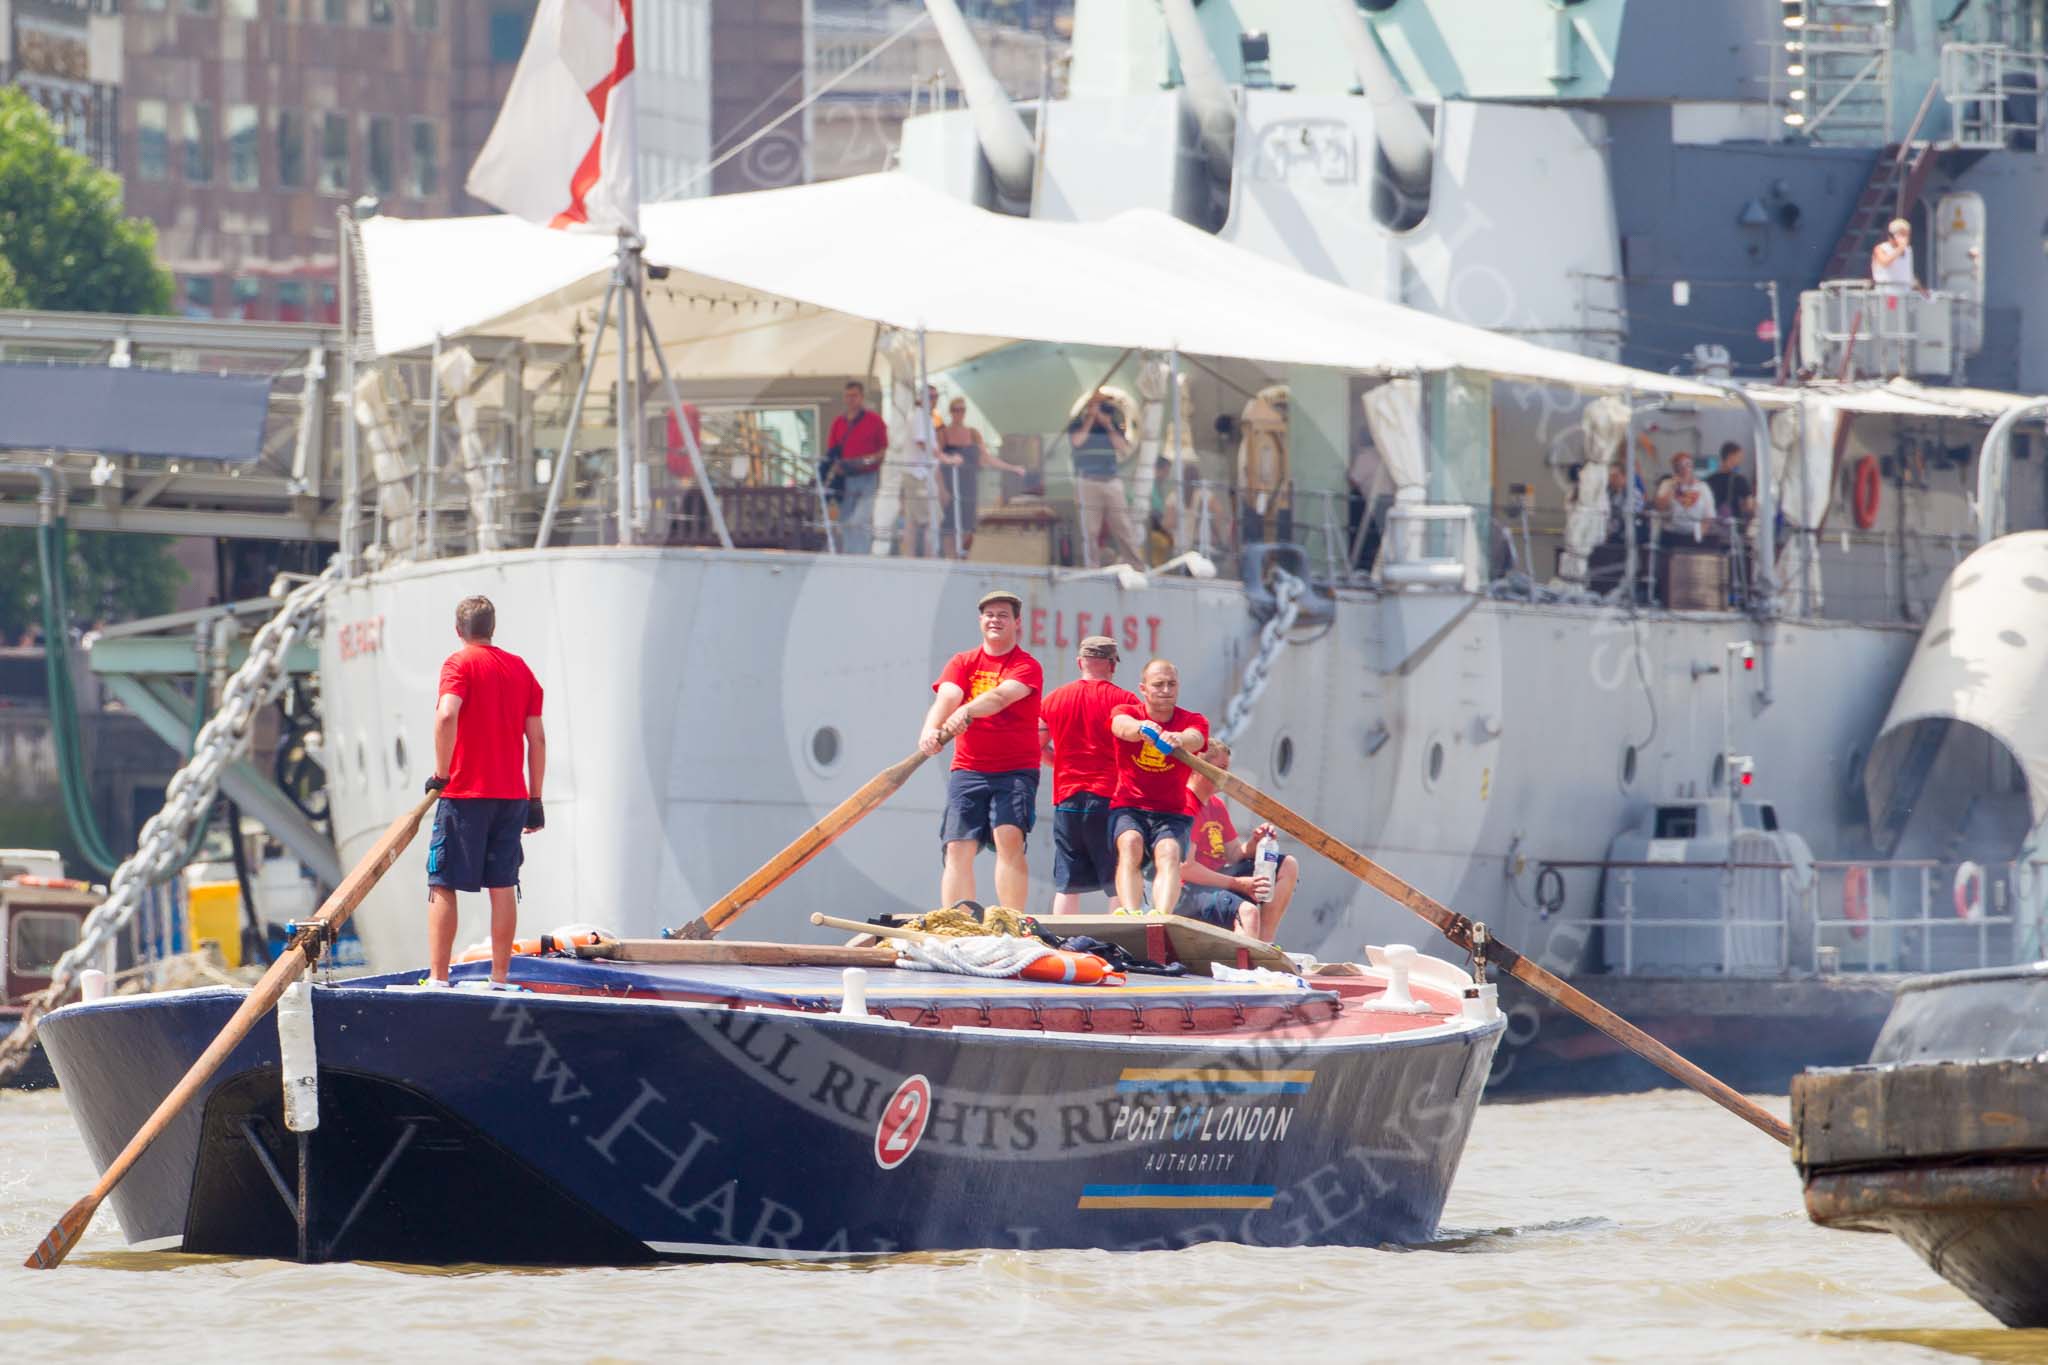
[1856, 900]
[1869, 491]
[1969, 894]
[1071, 969]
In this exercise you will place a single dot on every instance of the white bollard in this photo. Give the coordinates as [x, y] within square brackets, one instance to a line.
[92, 984]
[297, 1058]
[1398, 959]
[854, 1005]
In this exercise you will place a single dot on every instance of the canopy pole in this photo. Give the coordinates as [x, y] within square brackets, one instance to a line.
[1992, 459]
[430, 473]
[1628, 497]
[1766, 499]
[626, 405]
[675, 402]
[351, 458]
[1173, 419]
[568, 450]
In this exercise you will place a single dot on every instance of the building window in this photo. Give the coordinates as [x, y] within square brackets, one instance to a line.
[291, 149]
[426, 158]
[333, 153]
[291, 300]
[198, 125]
[426, 14]
[381, 154]
[247, 296]
[199, 296]
[330, 304]
[244, 9]
[508, 33]
[40, 937]
[199, 6]
[152, 139]
[380, 13]
[333, 11]
[245, 157]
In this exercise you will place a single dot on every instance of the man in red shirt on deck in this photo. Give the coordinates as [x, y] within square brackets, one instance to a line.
[1223, 886]
[987, 698]
[1073, 722]
[1149, 812]
[486, 720]
[853, 451]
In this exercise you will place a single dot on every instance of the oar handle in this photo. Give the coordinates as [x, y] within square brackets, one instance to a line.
[1474, 939]
[854, 926]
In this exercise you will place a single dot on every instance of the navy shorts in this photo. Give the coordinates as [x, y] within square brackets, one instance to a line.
[1083, 854]
[1154, 825]
[476, 843]
[1217, 905]
[977, 802]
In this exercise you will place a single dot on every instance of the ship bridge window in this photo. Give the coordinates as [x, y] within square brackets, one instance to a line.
[37, 938]
[1759, 815]
[1677, 822]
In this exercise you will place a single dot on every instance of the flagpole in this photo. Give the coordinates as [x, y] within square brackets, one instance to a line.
[675, 401]
[627, 406]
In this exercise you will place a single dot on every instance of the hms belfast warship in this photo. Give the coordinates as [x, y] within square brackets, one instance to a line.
[1733, 808]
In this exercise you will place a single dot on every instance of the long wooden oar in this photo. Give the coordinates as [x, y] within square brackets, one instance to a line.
[807, 846]
[57, 1243]
[1472, 938]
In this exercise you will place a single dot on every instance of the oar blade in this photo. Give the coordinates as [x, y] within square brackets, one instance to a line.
[63, 1235]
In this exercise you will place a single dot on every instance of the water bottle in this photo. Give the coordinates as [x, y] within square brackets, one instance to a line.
[1266, 867]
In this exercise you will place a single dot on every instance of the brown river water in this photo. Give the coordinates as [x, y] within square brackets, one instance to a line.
[1640, 1228]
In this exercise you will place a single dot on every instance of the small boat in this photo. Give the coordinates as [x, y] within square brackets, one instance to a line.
[630, 1101]
[41, 914]
[1943, 1138]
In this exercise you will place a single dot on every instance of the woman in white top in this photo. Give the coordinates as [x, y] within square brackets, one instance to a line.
[1891, 261]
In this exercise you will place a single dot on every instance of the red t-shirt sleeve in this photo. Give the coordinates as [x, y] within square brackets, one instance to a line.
[455, 677]
[533, 701]
[1027, 671]
[955, 672]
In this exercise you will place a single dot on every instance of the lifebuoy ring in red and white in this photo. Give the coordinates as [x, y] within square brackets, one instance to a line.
[1868, 492]
[1856, 900]
[1969, 891]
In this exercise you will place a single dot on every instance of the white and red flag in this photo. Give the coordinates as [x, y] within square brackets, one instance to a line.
[563, 149]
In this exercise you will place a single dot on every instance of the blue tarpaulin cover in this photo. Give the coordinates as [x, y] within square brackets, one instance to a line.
[133, 412]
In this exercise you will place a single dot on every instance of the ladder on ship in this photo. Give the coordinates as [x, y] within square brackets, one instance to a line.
[1896, 179]
[1840, 64]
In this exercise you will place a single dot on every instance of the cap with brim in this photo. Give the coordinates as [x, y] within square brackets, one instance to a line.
[1100, 647]
[1000, 595]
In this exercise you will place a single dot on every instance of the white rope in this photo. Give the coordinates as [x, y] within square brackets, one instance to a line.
[991, 955]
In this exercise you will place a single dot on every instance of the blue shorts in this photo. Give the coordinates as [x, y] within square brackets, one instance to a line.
[476, 843]
[1154, 825]
[1217, 905]
[1083, 854]
[978, 802]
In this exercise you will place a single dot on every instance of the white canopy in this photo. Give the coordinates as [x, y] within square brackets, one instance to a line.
[793, 283]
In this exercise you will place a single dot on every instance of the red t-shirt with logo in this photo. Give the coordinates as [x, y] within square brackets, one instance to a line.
[861, 441]
[1147, 779]
[498, 693]
[1083, 749]
[1007, 741]
[1213, 833]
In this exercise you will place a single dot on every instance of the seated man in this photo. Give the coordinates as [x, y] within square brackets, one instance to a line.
[1685, 501]
[1223, 888]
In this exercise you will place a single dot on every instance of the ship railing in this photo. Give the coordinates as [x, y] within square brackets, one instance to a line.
[1858, 328]
[1824, 916]
[1994, 95]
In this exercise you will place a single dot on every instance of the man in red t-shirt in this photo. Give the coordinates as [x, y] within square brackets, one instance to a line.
[1149, 812]
[486, 720]
[853, 456]
[1223, 887]
[1073, 721]
[987, 698]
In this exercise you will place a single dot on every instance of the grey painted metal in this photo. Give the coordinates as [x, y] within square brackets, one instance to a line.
[50, 492]
[1403, 136]
[1004, 139]
[187, 522]
[1993, 458]
[1207, 93]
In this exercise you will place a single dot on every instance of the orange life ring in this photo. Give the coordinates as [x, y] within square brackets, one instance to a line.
[1856, 900]
[1969, 891]
[1869, 491]
[1071, 969]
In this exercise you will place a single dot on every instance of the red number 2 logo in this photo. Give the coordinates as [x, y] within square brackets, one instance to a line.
[903, 1122]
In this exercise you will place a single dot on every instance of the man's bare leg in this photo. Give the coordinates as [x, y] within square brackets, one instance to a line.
[1165, 876]
[504, 928]
[1013, 874]
[1130, 870]
[956, 882]
[440, 931]
[1066, 902]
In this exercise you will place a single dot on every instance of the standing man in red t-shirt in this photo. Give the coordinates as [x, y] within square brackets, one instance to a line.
[988, 700]
[1224, 887]
[1149, 812]
[1073, 721]
[853, 452]
[486, 720]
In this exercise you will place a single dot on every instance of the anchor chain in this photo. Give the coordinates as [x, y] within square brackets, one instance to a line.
[1287, 593]
[160, 851]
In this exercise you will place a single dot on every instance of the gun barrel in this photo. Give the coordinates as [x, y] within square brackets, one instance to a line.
[1403, 135]
[1004, 139]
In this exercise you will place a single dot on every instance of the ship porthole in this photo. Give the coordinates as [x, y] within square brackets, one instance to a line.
[1720, 773]
[362, 762]
[1628, 767]
[1283, 757]
[825, 748]
[398, 754]
[1433, 764]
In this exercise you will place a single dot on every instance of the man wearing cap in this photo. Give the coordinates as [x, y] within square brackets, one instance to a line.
[1073, 721]
[1150, 811]
[987, 698]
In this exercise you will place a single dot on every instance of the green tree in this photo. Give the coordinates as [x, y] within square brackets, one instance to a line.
[61, 228]
[108, 577]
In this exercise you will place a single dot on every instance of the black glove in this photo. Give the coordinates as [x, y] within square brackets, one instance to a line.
[435, 784]
[536, 818]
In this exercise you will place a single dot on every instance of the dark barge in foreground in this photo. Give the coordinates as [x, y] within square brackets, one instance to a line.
[659, 1102]
[1943, 1138]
